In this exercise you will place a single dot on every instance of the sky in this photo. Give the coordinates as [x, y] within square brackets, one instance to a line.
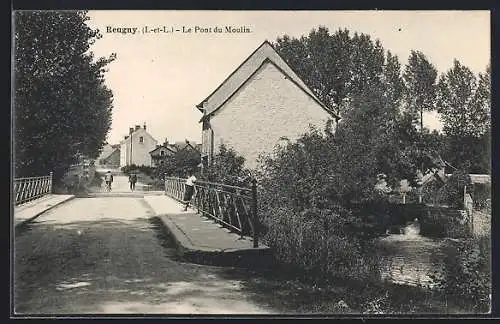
[158, 78]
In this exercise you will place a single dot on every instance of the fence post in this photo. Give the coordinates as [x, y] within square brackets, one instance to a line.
[254, 213]
[165, 182]
[51, 181]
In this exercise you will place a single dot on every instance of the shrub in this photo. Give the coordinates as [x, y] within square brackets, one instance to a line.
[444, 222]
[316, 243]
[228, 168]
[97, 180]
[306, 192]
[178, 164]
[467, 273]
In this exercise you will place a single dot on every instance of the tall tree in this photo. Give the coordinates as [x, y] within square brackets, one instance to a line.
[420, 81]
[62, 107]
[464, 105]
[393, 81]
[335, 66]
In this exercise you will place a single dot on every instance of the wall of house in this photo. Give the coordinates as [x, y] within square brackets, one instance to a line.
[124, 152]
[158, 159]
[140, 151]
[267, 108]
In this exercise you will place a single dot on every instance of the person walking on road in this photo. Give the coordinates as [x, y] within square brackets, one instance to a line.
[108, 178]
[132, 179]
[189, 189]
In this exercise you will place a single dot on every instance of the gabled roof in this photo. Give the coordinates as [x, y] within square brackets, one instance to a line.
[161, 146]
[264, 53]
[135, 131]
[179, 146]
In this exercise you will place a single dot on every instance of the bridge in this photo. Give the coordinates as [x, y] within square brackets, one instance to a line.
[134, 252]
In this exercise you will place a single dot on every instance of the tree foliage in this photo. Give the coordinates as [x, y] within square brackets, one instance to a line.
[420, 83]
[464, 102]
[62, 107]
[180, 163]
[228, 167]
[334, 65]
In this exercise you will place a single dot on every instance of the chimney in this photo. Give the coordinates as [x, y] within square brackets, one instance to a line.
[166, 141]
[144, 126]
[137, 127]
[130, 130]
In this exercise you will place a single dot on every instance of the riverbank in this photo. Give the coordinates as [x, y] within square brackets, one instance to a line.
[291, 295]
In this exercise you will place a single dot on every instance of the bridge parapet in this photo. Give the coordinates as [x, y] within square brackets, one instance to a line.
[231, 206]
[30, 188]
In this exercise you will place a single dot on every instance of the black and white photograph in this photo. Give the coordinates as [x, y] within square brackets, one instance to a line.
[218, 162]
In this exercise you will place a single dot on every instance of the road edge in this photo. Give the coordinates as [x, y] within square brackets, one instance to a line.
[25, 221]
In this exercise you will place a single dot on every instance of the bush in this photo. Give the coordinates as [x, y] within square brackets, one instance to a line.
[467, 273]
[228, 168]
[444, 222]
[97, 180]
[179, 164]
[70, 185]
[316, 243]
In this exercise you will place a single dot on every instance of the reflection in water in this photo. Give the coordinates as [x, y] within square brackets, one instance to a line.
[410, 258]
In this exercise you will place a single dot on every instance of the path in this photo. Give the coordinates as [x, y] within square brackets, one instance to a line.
[202, 237]
[106, 255]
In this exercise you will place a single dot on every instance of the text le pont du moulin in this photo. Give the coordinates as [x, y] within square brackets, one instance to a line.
[183, 29]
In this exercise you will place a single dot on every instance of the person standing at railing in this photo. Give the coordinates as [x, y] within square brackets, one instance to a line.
[189, 189]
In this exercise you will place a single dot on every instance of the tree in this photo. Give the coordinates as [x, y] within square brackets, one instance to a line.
[335, 66]
[368, 144]
[180, 163]
[420, 81]
[227, 167]
[464, 102]
[62, 107]
[393, 82]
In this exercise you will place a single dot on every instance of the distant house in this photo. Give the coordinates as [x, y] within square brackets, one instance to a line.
[167, 150]
[261, 102]
[160, 153]
[185, 145]
[135, 148]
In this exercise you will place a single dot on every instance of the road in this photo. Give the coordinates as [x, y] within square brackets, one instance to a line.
[120, 184]
[108, 256]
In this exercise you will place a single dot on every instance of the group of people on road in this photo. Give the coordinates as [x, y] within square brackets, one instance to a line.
[132, 179]
[108, 179]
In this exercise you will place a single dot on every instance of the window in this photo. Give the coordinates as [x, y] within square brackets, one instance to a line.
[141, 139]
[162, 153]
[161, 162]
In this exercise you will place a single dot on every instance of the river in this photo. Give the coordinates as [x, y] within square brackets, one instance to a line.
[409, 258]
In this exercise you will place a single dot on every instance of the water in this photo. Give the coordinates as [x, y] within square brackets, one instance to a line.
[410, 258]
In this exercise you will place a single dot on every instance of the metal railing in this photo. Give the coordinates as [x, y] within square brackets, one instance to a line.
[233, 207]
[27, 189]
